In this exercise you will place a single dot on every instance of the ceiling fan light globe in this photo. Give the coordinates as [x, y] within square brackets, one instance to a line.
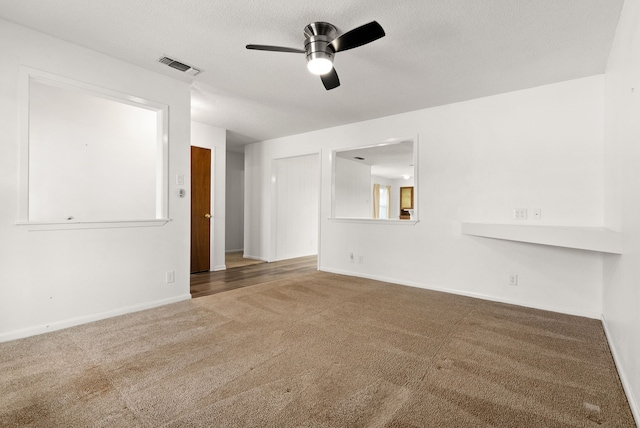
[319, 66]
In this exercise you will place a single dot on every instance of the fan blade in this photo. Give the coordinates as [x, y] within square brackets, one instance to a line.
[274, 48]
[330, 80]
[362, 35]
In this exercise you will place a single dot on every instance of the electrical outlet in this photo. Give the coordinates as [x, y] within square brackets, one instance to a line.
[520, 214]
[171, 276]
[360, 259]
[537, 214]
[513, 279]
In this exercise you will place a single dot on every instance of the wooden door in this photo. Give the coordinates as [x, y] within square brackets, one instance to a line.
[200, 209]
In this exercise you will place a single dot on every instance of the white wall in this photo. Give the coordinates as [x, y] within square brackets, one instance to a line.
[353, 189]
[57, 278]
[215, 139]
[110, 144]
[621, 299]
[478, 160]
[234, 232]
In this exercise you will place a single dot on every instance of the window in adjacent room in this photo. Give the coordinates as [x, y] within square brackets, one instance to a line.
[381, 201]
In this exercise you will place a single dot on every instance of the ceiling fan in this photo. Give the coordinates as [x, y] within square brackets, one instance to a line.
[321, 44]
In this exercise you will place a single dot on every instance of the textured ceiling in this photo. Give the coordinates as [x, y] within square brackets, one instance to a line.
[435, 52]
[390, 160]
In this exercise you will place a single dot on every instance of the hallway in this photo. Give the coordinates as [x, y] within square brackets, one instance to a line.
[206, 283]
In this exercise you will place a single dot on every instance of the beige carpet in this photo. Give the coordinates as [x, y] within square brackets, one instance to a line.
[236, 259]
[319, 350]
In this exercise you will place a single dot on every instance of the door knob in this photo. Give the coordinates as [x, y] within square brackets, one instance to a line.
[207, 216]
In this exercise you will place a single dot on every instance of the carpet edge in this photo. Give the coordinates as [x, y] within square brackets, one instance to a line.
[72, 322]
[488, 297]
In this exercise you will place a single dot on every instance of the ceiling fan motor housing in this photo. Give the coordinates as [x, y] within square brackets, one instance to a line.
[318, 36]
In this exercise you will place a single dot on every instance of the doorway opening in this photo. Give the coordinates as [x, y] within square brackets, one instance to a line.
[296, 207]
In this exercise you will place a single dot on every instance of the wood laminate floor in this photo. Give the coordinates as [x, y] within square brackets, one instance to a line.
[206, 283]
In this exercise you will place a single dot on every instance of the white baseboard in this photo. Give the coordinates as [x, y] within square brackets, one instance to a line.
[239, 250]
[626, 383]
[219, 267]
[585, 314]
[59, 325]
[262, 259]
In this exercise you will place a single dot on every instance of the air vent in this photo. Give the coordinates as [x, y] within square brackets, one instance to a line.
[179, 65]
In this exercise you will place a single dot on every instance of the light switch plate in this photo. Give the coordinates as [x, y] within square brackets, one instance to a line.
[520, 214]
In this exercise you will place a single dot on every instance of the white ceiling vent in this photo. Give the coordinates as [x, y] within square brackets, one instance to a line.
[179, 65]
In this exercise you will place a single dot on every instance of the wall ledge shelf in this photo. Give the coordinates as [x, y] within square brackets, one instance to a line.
[582, 238]
[98, 224]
